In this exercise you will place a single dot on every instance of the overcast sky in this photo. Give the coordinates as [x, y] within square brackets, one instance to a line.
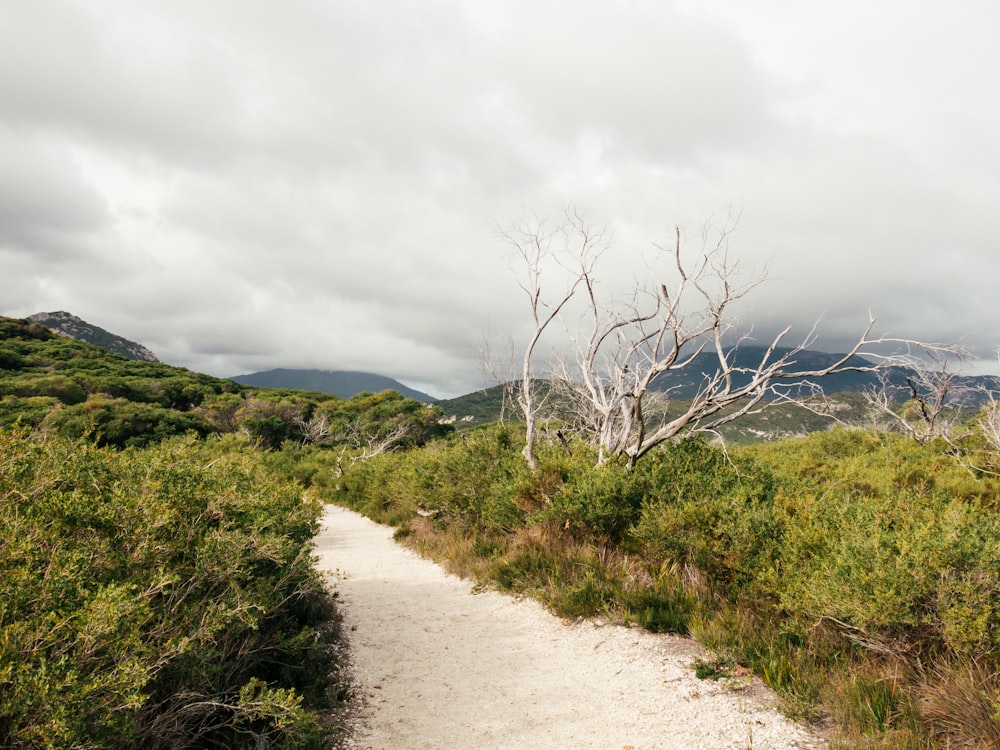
[241, 184]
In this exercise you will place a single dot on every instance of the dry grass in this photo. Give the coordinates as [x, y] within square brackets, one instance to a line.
[961, 705]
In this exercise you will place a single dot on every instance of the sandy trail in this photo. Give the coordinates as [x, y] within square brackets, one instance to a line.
[437, 666]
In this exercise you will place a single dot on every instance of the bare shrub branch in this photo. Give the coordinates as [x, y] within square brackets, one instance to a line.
[537, 247]
[606, 387]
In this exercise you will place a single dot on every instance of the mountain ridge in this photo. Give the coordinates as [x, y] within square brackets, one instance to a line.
[66, 324]
[685, 383]
[340, 383]
[682, 383]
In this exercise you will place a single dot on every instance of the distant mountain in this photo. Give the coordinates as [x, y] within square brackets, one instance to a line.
[80, 330]
[336, 382]
[685, 383]
[486, 405]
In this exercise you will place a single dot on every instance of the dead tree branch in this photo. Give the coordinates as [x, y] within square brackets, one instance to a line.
[672, 324]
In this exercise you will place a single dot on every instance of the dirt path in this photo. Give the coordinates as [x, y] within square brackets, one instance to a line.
[437, 666]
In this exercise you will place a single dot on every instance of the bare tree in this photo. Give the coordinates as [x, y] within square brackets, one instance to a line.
[984, 459]
[315, 429]
[538, 247]
[982, 456]
[497, 365]
[925, 399]
[368, 445]
[921, 397]
[989, 422]
[664, 327]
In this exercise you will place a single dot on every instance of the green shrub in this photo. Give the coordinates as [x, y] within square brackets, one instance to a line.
[155, 598]
[888, 537]
[600, 503]
[468, 479]
[120, 423]
[711, 512]
[60, 387]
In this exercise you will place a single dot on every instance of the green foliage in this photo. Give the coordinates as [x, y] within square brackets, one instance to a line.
[663, 605]
[60, 387]
[18, 411]
[601, 502]
[836, 567]
[269, 432]
[151, 598]
[120, 423]
[372, 418]
[710, 512]
[42, 364]
[889, 537]
[78, 389]
[468, 480]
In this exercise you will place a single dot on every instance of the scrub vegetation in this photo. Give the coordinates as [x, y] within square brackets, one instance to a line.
[160, 597]
[157, 590]
[157, 587]
[856, 572]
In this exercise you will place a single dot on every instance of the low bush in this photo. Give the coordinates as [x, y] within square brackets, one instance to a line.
[468, 480]
[599, 503]
[709, 511]
[156, 598]
[119, 423]
[890, 538]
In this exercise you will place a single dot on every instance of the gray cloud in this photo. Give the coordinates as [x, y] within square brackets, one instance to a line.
[245, 185]
[46, 206]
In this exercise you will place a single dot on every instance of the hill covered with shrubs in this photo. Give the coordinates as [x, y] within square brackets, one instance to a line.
[157, 591]
[156, 580]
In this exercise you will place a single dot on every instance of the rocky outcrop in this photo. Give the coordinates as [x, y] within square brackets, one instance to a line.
[64, 324]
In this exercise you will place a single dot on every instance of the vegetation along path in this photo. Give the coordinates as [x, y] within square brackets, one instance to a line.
[439, 666]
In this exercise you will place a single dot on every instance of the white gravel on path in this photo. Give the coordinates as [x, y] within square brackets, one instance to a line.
[438, 666]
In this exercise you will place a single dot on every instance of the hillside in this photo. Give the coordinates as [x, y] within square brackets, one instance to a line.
[340, 383]
[75, 328]
[177, 390]
[336, 382]
[776, 422]
[844, 396]
[79, 389]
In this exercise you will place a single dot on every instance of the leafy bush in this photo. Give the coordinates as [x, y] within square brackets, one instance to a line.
[60, 387]
[710, 512]
[889, 537]
[599, 503]
[156, 598]
[368, 418]
[119, 423]
[468, 480]
[17, 411]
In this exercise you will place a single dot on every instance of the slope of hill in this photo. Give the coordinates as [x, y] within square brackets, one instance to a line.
[845, 392]
[73, 327]
[79, 389]
[343, 384]
[336, 382]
